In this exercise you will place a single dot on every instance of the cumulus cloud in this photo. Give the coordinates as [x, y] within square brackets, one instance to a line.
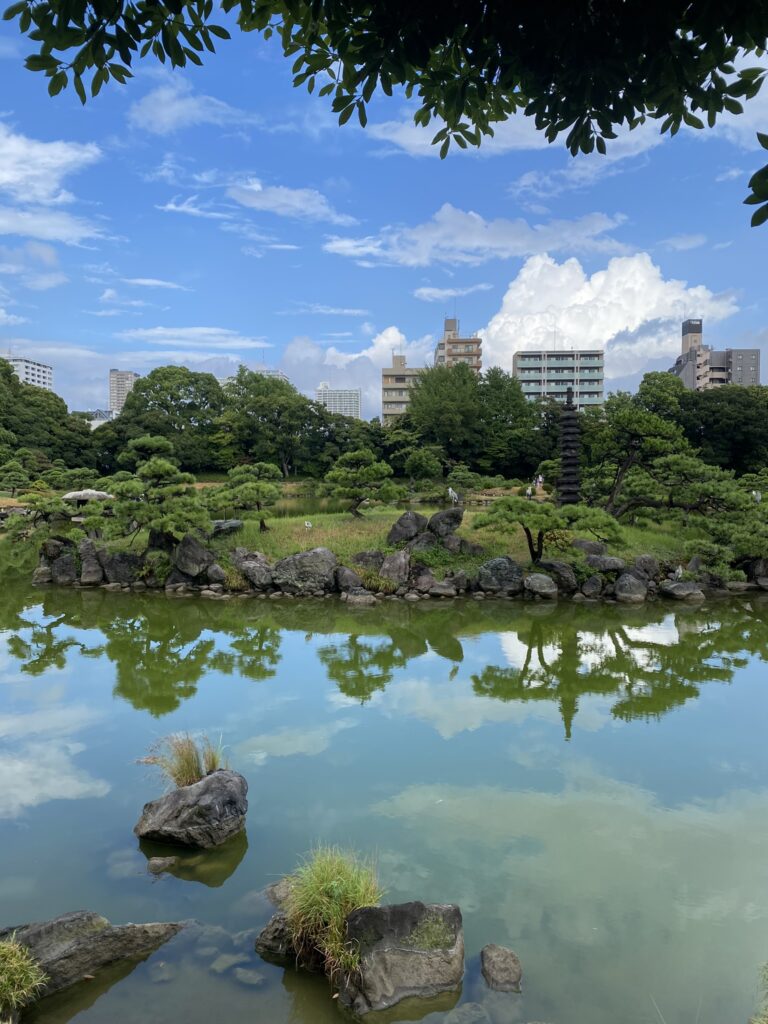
[194, 337]
[428, 294]
[7, 319]
[462, 237]
[298, 203]
[629, 309]
[174, 105]
[32, 171]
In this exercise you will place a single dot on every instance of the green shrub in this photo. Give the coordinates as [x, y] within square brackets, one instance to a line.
[156, 564]
[21, 977]
[325, 889]
[375, 583]
[182, 761]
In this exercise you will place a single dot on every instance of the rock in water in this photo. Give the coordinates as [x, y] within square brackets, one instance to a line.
[191, 557]
[406, 950]
[306, 572]
[396, 567]
[81, 943]
[681, 590]
[202, 815]
[274, 943]
[540, 585]
[501, 968]
[629, 589]
[500, 575]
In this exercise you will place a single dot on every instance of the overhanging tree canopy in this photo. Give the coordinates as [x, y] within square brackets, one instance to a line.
[585, 67]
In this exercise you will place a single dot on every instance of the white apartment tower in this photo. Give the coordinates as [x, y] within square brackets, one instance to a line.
[549, 374]
[30, 372]
[120, 385]
[344, 401]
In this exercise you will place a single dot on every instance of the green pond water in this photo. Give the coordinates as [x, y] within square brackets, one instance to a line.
[589, 784]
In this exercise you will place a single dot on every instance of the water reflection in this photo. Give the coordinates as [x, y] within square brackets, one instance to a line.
[649, 660]
[209, 867]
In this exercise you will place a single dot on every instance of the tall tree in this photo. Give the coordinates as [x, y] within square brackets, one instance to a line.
[359, 477]
[445, 410]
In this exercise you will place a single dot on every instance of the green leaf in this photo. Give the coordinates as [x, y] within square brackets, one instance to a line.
[219, 32]
[79, 88]
[760, 216]
[14, 10]
[444, 148]
[762, 138]
[345, 115]
[57, 83]
[361, 114]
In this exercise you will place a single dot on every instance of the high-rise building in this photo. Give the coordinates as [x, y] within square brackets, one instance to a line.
[452, 348]
[265, 371]
[396, 383]
[344, 401]
[701, 368]
[549, 374]
[31, 372]
[120, 385]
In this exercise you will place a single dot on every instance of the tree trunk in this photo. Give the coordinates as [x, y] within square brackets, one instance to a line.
[529, 538]
[539, 546]
[355, 509]
[618, 480]
[263, 528]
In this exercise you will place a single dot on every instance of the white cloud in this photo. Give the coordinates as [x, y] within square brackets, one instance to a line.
[110, 296]
[462, 237]
[682, 243]
[318, 309]
[33, 264]
[742, 129]
[428, 294]
[629, 309]
[731, 174]
[190, 207]
[47, 225]
[517, 133]
[289, 742]
[174, 106]
[33, 171]
[6, 319]
[41, 772]
[154, 282]
[586, 169]
[298, 203]
[194, 337]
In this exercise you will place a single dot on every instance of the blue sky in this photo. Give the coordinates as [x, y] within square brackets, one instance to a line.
[218, 215]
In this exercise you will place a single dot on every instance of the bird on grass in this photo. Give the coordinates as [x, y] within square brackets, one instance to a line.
[307, 524]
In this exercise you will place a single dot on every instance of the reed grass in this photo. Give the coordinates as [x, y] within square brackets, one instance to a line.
[183, 760]
[21, 977]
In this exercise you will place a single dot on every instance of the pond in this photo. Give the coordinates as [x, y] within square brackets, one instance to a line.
[590, 784]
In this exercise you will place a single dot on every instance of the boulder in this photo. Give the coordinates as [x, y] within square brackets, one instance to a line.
[53, 547]
[681, 590]
[501, 968]
[500, 575]
[592, 587]
[202, 815]
[369, 559]
[278, 892]
[452, 543]
[91, 573]
[444, 523]
[605, 563]
[306, 571]
[443, 588]
[64, 569]
[192, 557]
[215, 574]
[119, 566]
[409, 525]
[468, 547]
[396, 567]
[254, 567]
[589, 547]
[540, 585]
[423, 542]
[77, 945]
[423, 580]
[646, 567]
[274, 943]
[563, 575]
[628, 589]
[756, 568]
[406, 950]
[359, 597]
[222, 527]
[42, 574]
[459, 579]
[347, 579]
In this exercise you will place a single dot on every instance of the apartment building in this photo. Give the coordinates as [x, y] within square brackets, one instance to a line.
[701, 367]
[452, 348]
[396, 382]
[31, 372]
[120, 386]
[549, 374]
[344, 401]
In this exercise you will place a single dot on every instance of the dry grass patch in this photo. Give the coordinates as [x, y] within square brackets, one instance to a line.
[184, 761]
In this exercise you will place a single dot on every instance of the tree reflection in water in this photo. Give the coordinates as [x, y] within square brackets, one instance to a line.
[649, 660]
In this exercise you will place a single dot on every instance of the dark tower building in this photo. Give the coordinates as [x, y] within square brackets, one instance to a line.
[568, 484]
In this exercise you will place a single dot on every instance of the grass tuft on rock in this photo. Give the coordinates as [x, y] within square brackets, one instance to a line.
[183, 760]
[21, 977]
[323, 891]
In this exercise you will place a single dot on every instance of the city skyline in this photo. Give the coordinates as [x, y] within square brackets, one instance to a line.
[126, 244]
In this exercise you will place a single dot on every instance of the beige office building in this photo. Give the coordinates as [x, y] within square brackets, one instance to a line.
[453, 349]
[396, 383]
[120, 385]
